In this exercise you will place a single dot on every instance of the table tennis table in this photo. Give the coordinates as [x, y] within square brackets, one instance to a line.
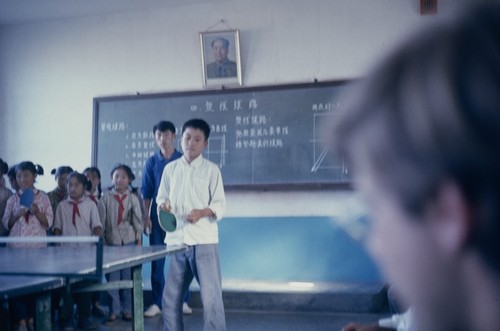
[37, 286]
[39, 270]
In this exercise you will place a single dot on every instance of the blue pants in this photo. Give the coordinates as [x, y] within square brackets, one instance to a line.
[121, 300]
[202, 262]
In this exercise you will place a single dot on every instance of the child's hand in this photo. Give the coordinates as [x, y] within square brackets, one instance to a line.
[148, 226]
[34, 209]
[194, 216]
[166, 206]
[22, 211]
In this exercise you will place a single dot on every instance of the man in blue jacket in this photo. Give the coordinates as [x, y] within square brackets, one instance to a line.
[164, 132]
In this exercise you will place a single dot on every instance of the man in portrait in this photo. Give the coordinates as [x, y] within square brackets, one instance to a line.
[222, 67]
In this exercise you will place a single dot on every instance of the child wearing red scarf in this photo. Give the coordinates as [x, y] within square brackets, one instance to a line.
[77, 215]
[120, 212]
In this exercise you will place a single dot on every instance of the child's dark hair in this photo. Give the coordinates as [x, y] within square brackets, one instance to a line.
[163, 126]
[4, 167]
[35, 169]
[127, 170]
[81, 178]
[96, 172]
[12, 172]
[197, 123]
[62, 170]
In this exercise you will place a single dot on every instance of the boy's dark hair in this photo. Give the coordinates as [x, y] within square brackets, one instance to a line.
[61, 171]
[81, 178]
[163, 126]
[35, 169]
[4, 167]
[197, 123]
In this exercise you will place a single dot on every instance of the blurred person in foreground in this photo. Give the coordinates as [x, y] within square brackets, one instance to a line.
[423, 139]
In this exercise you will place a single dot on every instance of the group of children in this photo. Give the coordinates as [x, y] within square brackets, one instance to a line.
[191, 187]
[76, 207]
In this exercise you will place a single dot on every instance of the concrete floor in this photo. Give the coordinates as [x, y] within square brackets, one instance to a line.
[259, 321]
[329, 255]
[265, 306]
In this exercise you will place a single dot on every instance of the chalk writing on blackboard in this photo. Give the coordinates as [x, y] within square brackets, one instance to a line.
[259, 136]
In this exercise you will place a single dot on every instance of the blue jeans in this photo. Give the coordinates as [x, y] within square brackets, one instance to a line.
[201, 262]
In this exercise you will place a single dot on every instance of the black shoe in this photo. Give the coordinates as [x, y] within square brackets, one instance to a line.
[66, 325]
[111, 320]
[98, 311]
[86, 324]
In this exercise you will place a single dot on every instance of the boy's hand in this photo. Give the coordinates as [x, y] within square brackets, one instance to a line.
[165, 206]
[195, 215]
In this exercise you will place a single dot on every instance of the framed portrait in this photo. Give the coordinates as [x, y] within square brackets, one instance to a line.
[220, 58]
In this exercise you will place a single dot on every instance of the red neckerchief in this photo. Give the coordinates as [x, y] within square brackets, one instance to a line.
[76, 211]
[27, 216]
[121, 208]
[93, 198]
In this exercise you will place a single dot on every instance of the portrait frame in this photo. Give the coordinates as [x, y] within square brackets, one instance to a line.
[215, 74]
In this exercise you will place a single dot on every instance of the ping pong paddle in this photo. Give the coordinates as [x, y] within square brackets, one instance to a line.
[167, 221]
[27, 198]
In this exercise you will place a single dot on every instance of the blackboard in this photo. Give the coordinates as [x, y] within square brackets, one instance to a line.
[261, 137]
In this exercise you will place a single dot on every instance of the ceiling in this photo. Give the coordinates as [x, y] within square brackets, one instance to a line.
[26, 11]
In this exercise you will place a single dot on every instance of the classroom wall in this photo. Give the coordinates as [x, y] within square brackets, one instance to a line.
[50, 72]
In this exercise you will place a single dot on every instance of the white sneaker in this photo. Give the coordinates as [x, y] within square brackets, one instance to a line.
[152, 311]
[186, 310]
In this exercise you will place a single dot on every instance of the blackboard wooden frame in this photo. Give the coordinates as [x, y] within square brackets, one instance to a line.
[103, 106]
